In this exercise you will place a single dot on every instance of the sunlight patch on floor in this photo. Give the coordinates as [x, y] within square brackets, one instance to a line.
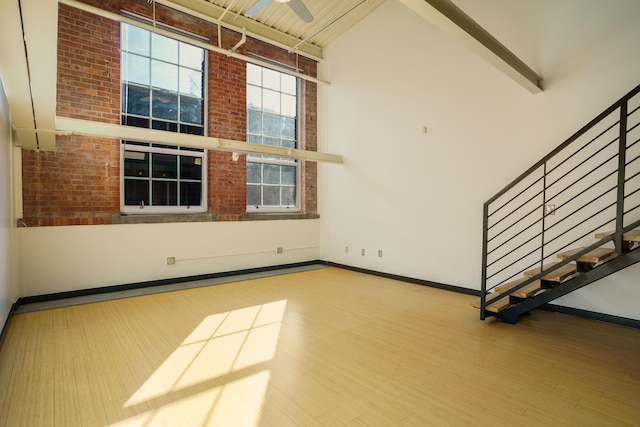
[214, 377]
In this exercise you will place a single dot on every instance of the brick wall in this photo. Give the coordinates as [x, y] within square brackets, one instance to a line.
[79, 183]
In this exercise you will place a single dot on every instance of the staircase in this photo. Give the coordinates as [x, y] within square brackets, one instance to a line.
[569, 220]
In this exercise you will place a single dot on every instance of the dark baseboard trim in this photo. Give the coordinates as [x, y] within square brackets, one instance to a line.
[152, 283]
[452, 288]
[5, 327]
[592, 315]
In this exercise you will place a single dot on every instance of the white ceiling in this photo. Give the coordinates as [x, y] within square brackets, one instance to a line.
[28, 53]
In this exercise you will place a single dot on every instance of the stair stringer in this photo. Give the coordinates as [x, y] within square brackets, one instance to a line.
[513, 313]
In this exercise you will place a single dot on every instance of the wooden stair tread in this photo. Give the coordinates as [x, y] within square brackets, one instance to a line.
[557, 275]
[629, 236]
[594, 256]
[524, 292]
[496, 306]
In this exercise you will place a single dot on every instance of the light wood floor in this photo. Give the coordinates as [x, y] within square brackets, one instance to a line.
[327, 347]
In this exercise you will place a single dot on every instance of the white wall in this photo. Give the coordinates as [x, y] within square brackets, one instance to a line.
[57, 259]
[418, 197]
[8, 250]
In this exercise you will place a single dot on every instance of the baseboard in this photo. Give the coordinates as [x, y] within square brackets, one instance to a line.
[151, 283]
[5, 327]
[452, 288]
[592, 315]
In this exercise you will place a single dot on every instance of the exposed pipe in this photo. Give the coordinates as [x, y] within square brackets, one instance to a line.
[242, 40]
[175, 6]
[195, 42]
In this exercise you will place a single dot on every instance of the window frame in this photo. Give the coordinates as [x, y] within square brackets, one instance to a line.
[163, 209]
[271, 160]
[151, 149]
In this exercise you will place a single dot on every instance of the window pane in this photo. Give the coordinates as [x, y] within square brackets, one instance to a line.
[271, 196]
[165, 193]
[136, 192]
[254, 74]
[135, 69]
[288, 196]
[254, 122]
[136, 163]
[164, 48]
[253, 195]
[165, 105]
[254, 139]
[289, 84]
[193, 130]
[274, 142]
[164, 76]
[164, 165]
[288, 175]
[270, 79]
[136, 121]
[191, 56]
[190, 167]
[135, 39]
[271, 125]
[190, 193]
[271, 101]
[288, 128]
[254, 97]
[190, 110]
[254, 173]
[289, 105]
[135, 100]
[190, 82]
[162, 125]
[271, 174]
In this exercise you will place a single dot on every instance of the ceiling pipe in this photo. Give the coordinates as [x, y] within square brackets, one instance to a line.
[185, 39]
[173, 5]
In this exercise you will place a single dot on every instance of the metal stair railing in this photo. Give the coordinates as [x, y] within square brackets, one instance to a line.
[590, 183]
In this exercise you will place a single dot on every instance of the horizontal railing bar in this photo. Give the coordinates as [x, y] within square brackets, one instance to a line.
[633, 111]
[578, 210]
[516, 196]
[584, 176]
[586, 204]
[633, 127]
[513, 211]
[589, 172]
[586, 145]
[516, 222]
[516, 261]
[514, 236]
[568, 141]
[579, 224]
[632, 176]
[632, 209]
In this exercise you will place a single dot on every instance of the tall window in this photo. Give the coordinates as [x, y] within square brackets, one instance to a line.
[272, 117]
[162, 88]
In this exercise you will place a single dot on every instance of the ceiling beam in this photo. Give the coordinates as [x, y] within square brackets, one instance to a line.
[68, 126]
[454, 22]
[25, 68]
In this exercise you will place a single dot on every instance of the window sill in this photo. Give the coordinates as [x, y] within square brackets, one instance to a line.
[208, 217]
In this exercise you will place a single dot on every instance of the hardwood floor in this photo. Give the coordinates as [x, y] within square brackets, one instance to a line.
[326, 347]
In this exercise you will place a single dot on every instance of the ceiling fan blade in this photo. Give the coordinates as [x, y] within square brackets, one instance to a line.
[257, 7]
[301, 10]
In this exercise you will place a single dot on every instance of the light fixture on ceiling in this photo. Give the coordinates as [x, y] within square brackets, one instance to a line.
[296, 5]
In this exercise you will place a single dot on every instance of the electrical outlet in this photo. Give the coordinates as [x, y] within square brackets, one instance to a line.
[549, 210]
[279, 250]
[362, 252]
[171, 260]
[380, 253]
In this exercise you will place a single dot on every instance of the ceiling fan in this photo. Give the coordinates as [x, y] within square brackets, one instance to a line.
[296, 5]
